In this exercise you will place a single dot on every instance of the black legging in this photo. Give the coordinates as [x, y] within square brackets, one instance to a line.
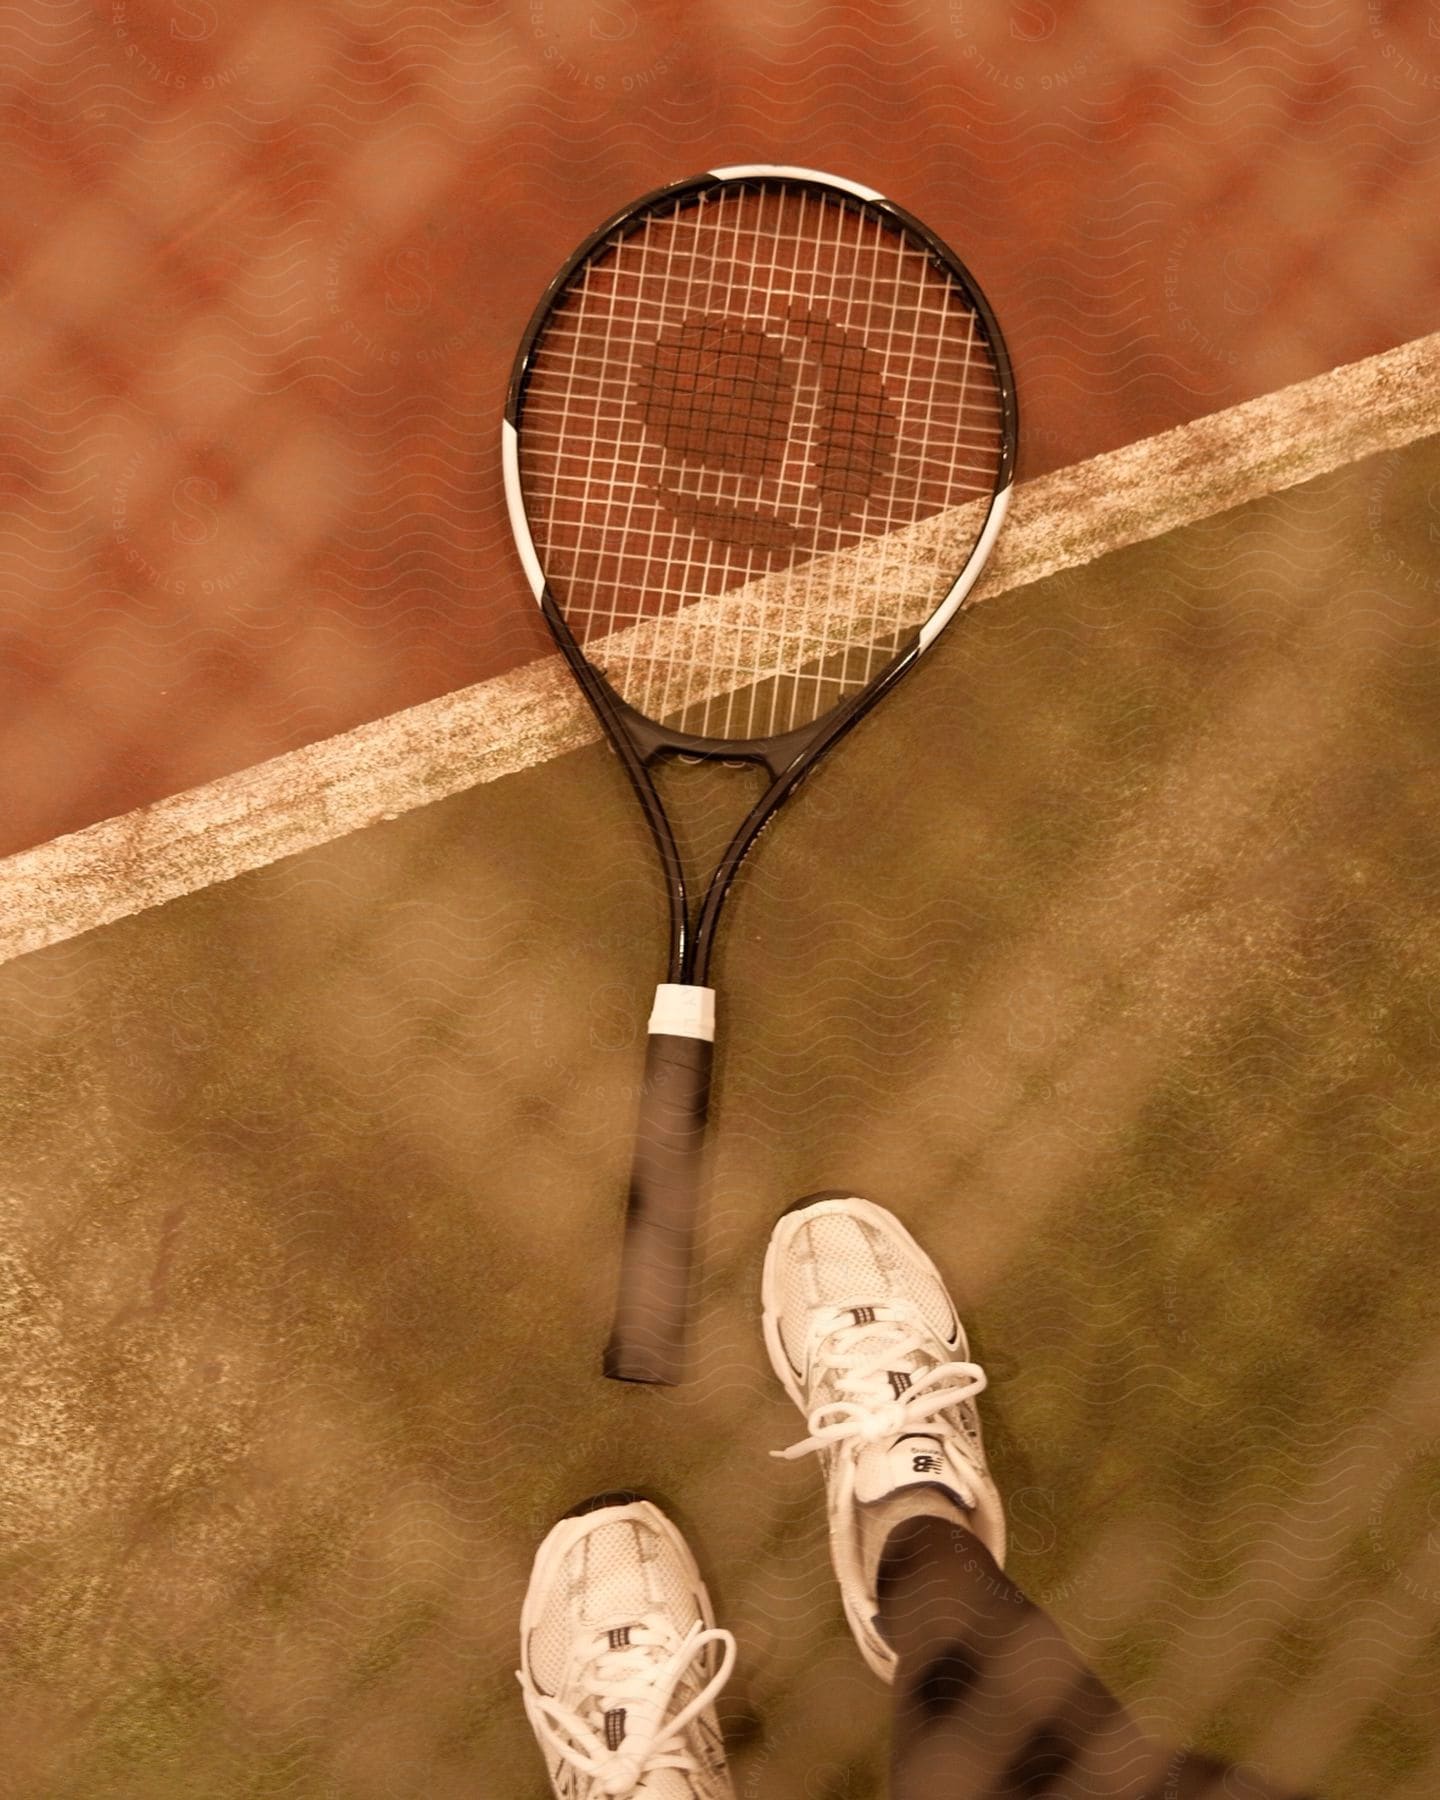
[992, 1703]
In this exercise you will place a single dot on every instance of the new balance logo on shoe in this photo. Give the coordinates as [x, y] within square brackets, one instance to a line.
[924, 1463]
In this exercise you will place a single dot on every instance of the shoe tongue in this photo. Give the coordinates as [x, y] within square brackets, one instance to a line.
[876, 1331]
[912, 1460]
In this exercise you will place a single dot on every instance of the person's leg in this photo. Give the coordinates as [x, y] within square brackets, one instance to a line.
[989, 1698]
[993, 1703]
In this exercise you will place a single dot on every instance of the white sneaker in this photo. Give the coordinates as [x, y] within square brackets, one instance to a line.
[620, 1659]
[867, 1342]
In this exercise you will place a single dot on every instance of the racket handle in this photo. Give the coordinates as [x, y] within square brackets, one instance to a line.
[647, 1342]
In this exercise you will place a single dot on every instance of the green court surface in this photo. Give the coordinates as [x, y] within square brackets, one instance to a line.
[1107, 953]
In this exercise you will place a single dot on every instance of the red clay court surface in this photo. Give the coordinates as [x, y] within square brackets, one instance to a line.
[262, 272]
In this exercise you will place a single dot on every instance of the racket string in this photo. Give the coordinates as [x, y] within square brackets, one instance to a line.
[736, 418]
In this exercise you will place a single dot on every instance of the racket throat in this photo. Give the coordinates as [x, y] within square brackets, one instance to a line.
[774, 754]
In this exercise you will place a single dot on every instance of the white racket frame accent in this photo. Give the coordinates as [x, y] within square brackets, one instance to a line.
[765, 171]
[970, 574]
[515, 505]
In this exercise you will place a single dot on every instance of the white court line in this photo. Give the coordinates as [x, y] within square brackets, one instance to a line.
[294, 802]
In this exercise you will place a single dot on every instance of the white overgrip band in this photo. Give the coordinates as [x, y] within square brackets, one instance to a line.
[683, 1011]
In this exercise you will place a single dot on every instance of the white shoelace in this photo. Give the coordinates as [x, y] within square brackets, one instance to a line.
[865, 1405]
[633, 1679]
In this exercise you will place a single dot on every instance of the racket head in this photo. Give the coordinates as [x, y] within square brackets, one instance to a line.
[759, 438]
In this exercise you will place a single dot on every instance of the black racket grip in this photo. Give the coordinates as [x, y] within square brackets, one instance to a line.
[647, 1342]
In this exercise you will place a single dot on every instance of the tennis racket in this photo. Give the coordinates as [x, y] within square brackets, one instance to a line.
[758, 443]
